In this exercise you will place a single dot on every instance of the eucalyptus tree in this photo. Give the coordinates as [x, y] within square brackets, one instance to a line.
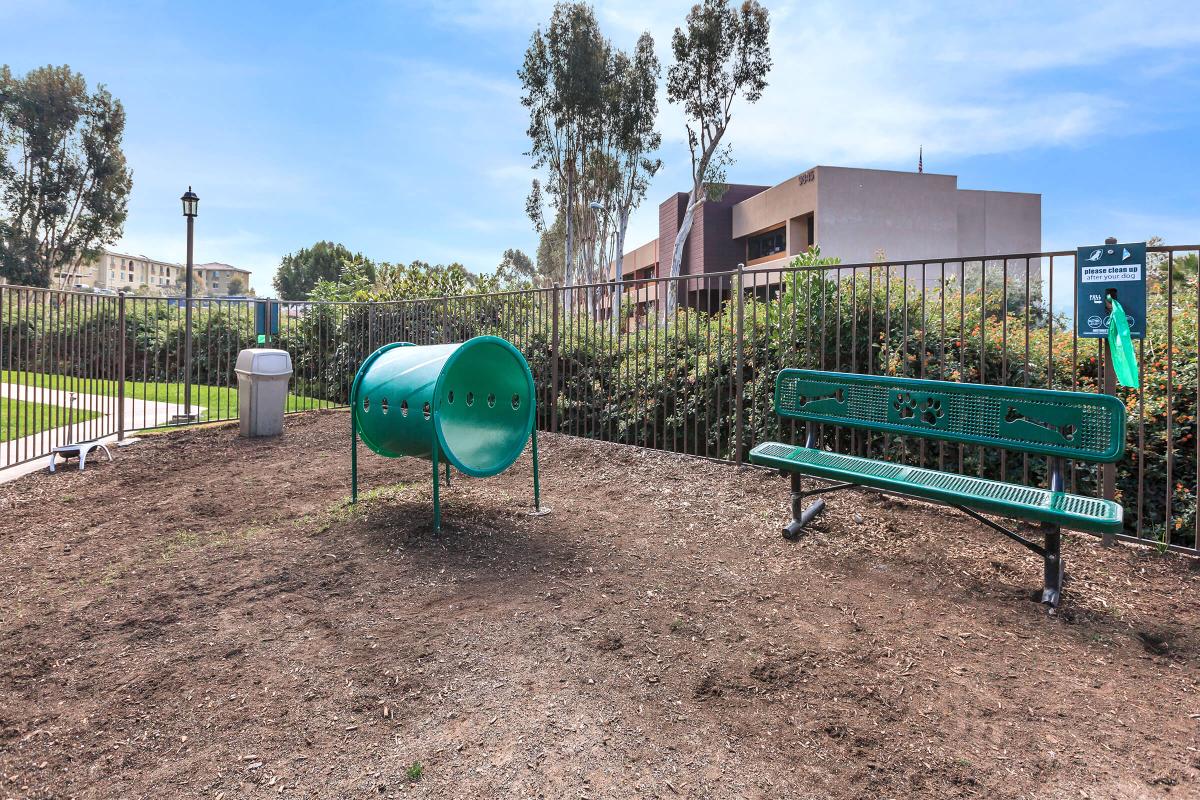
[563, 78]
[518, 271]
[721, 53]
[632, 105]
[64, 183]
[550, 262]
[592, 113]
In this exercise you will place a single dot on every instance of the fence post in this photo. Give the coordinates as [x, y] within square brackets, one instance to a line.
[739, 365]
[1108, 472]
[554, 364]
[121, 367]
[370, 326]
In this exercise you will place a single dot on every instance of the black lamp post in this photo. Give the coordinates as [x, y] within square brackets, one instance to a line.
[191, 205]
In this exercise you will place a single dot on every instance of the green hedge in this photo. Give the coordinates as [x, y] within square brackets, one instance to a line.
[673, 387]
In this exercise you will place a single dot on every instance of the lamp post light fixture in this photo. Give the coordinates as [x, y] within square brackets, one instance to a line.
[598, 208]
[191, 203]
[191, 207]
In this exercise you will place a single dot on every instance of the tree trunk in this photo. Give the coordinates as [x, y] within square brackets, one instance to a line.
[677, 254]
[619, 269]
[570, 238]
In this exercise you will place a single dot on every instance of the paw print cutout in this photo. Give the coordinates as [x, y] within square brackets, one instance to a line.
[905, 405]
[931, 410]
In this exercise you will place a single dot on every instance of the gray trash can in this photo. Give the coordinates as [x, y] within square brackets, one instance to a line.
[263, 376]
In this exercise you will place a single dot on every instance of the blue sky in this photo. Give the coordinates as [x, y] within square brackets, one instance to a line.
[396, 127]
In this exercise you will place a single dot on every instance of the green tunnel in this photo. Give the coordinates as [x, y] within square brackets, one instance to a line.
[475, 399]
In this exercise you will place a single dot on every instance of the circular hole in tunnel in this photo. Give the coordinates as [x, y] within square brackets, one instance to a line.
[383, 405]
[366, 403]
[516, 401]
[404, 408]
[450, 396]
[491, 400]
[425, 411]
[470, 398]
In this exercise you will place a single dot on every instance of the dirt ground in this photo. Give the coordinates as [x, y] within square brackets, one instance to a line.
[205, 617]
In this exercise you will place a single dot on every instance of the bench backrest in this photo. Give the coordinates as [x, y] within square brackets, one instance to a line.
[1074, 425]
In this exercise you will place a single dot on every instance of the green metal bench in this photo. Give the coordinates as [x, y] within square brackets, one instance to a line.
[1059, 425]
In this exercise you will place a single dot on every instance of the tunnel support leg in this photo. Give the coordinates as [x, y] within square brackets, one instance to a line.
[353, 457]
[447, 474]
[437, 500]
[537, 486]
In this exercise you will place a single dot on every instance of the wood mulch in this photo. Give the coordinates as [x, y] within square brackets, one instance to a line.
[206, 617]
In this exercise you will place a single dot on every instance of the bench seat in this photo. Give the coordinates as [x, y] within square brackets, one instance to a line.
[1006, 499]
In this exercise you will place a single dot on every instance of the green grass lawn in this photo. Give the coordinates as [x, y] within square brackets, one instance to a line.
[219, 402]
[19, 418]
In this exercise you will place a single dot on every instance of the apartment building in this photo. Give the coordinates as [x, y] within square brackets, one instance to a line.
[856, 215]
[112, 272]
[218, 278]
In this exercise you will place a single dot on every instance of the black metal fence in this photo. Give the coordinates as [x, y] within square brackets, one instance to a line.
[610, 365]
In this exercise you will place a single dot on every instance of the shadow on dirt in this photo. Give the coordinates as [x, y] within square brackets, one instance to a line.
[476, 538]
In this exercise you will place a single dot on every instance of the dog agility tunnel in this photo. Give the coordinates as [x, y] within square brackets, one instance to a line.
[469, 405]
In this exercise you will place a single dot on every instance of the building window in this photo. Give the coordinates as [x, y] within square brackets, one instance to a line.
[765, 244]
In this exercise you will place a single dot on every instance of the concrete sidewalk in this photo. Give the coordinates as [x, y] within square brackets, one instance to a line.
[15, 454]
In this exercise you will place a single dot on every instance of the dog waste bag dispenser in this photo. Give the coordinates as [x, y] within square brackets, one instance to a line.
[469, 405]
[1104, 272]
[1110, 281]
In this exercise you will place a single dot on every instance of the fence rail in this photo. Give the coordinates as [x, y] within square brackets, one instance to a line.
[609, 364]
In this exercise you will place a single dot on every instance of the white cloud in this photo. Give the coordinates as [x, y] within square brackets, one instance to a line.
[489, 15]
[866, 84]
[863, 85]
[435, 80]
[853, 83]
[505, 173]
[1174, 229]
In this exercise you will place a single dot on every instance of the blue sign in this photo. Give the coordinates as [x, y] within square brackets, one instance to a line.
[260, 317]
[1107, 271]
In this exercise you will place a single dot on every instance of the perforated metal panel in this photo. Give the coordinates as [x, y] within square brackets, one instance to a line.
[1076, 425]
[1023, 502]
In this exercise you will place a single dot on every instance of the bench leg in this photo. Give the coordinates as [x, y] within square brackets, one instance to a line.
[801, 516]
[1053, 581]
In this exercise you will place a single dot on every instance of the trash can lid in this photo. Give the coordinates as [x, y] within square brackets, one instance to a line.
[264, 361]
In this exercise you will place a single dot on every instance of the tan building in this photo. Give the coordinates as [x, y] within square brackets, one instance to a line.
[856, 215]
[115, 272]
[217, 278]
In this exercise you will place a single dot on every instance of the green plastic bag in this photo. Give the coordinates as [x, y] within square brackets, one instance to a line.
[1120, 346]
